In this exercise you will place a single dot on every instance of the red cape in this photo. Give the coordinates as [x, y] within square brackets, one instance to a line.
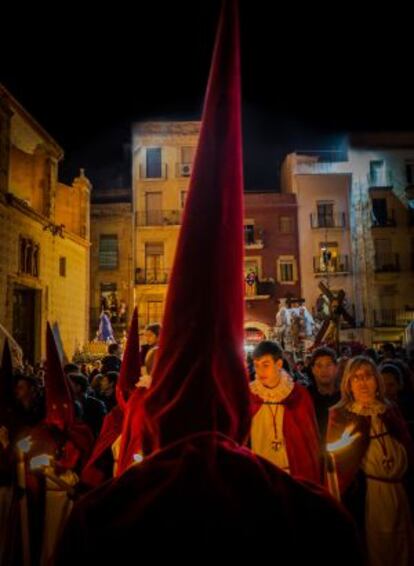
[93, 474]
[206, 500]
[301, 434]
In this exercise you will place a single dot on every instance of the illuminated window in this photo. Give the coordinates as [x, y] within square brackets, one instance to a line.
[287, 271]
[154, 311]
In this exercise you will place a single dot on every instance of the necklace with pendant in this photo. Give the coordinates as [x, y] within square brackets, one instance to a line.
[387, 460]
[277, 443]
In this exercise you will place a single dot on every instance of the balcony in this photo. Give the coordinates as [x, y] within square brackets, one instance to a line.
[151, 276]
[380, 179]
[393, 317]
[261, 291]
[387, 263]
[338, 265]
[159, 218]
[158, 174]
[328, 221]
[384, 221]
[253, 237]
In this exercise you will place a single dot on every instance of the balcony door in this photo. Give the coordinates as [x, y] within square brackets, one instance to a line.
[153, 209]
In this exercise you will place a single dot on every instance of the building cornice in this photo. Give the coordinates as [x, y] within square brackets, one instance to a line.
[21, 206]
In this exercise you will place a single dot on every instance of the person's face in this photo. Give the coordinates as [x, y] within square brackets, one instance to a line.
[23, 392]
[324, 370]
[392, 387]
[150, 338]
[364, 385]
[268, 370]
[105, 383]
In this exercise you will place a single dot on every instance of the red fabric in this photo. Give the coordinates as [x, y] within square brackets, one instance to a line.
[131, 442]
[59, 404]
[201, 498]
[92, 474]
[301, 434]
[205, 500]
[199, 379]
[131, 364]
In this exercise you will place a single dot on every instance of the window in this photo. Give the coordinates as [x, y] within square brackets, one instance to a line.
[251, 276]
[154, 262]
[409, 170]
[248, 234]
[154, 164]
[325, 214]
[379, 211]
[108, 252]
[62, 266]
[377, 173]
[187, 155]
[286, 224]
[29, 257]
[286, 269]
[154, 311]
[153, 208]
[328, 259]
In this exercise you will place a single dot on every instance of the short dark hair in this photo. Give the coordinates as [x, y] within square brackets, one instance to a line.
[267, 347]
[154, 328]
[80, 379]
[70, 368]
[394, 371]
[388, 347]
[113, 348]
[322, 352]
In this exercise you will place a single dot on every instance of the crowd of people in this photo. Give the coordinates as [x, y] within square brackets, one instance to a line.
[345, 423]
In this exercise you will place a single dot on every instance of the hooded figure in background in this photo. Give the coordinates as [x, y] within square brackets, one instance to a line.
[197, 494]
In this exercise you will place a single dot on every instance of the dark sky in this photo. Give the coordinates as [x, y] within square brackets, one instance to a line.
[308, 75]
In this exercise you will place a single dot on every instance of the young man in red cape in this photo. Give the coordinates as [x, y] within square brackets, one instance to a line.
[198, 495]
[284, 428]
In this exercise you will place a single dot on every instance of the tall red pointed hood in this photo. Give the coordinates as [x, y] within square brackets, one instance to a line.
[131, 363]
[199, 381]
[59, 403]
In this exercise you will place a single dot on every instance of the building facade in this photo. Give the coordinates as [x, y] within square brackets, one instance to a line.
[162, 157]
[44, 237]
[112, 285]
[362, 196]
[272, 270]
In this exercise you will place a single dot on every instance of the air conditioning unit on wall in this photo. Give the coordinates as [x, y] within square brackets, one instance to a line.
[185, 169]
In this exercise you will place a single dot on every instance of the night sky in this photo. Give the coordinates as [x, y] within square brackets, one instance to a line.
[309, 75]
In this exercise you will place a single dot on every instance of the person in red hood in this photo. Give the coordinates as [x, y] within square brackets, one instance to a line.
[198, 495]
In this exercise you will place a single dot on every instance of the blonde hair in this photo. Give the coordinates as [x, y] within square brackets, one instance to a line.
[351, 368]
